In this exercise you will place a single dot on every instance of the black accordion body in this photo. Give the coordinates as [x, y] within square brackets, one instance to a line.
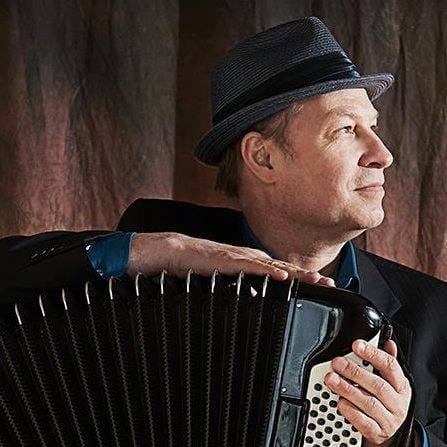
[219, 361]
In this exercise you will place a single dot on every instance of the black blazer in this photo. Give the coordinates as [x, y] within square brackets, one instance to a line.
[415, 303]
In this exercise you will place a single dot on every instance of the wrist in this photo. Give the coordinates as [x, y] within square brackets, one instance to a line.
[150, 253]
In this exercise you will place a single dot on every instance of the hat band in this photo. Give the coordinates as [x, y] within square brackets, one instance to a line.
[328, 67]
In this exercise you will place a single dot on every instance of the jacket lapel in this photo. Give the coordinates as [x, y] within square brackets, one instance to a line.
[376, 289]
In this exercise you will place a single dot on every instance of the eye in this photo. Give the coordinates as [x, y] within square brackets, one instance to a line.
[347, 129]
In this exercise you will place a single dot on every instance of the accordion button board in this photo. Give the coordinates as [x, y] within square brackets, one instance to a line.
[325, 425]
[226, 361]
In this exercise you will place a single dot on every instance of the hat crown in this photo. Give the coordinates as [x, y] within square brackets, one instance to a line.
[266, 54]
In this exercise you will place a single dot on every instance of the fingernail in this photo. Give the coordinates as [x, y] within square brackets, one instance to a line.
[333, 378]
[339, 362]
[283, 274]
[361, 345]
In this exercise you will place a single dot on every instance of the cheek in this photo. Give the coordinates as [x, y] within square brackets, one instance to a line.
[313, 188]
[331, 181]
[327, 178]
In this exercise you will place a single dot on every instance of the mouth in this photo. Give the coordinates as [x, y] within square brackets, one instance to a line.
[375, 187]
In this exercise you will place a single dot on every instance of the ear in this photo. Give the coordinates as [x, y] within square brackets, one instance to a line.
[260, 156]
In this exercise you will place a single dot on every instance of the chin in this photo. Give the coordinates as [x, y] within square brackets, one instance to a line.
[369, 220]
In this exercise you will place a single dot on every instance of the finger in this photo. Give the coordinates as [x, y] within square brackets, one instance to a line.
[369, 381]
[295, 272]
[367, 426]
[390, 347]
[307, 276]
[367, 403]
[260, 267]
[325, 281]
[231, 262]
[386, 364]
[311, 277]
[235, 261]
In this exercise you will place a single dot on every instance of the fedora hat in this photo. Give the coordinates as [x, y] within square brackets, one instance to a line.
[269, 71]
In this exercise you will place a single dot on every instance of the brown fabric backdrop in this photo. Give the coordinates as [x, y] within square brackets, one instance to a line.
[103, 102]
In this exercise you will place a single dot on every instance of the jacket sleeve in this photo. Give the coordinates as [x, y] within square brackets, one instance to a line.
[44, 261]
[437, 433]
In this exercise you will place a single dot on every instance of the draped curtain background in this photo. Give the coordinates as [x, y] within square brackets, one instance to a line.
[103, 101]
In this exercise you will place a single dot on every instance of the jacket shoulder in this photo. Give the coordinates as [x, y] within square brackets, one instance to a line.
[413, 283]
[164, 215]
[392, 266]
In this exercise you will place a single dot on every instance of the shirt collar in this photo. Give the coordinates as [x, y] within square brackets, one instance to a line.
[347, 276]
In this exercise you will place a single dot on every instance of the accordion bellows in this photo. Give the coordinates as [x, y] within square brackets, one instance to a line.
[167, 362]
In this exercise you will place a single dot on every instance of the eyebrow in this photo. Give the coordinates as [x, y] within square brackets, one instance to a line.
[342, 113]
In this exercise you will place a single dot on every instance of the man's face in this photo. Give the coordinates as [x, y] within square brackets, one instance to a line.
[337, 157]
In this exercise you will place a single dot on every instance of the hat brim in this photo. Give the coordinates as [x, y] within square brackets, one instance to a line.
[212, 146]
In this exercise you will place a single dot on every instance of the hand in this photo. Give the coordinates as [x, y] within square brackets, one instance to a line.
[153, 252]
[379, 405]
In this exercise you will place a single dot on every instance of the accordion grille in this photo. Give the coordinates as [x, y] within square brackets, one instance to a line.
[163, 364]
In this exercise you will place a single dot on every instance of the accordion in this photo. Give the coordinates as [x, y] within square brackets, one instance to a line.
[221, 361]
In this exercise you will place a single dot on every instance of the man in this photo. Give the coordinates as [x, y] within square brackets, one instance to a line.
[294, 138]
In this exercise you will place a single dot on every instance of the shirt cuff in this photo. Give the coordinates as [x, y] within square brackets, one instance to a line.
[109, 255]
[422, 434]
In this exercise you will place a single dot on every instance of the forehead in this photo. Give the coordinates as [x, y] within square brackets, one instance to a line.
[349, 102]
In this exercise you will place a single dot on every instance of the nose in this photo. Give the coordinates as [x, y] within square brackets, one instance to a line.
[376, 155]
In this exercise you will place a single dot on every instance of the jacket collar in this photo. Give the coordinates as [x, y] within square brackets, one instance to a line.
[374, 287]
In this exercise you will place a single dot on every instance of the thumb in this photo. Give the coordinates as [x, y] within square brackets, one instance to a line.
[390, 347]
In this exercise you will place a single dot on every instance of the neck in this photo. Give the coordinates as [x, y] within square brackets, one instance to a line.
[309, 247]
